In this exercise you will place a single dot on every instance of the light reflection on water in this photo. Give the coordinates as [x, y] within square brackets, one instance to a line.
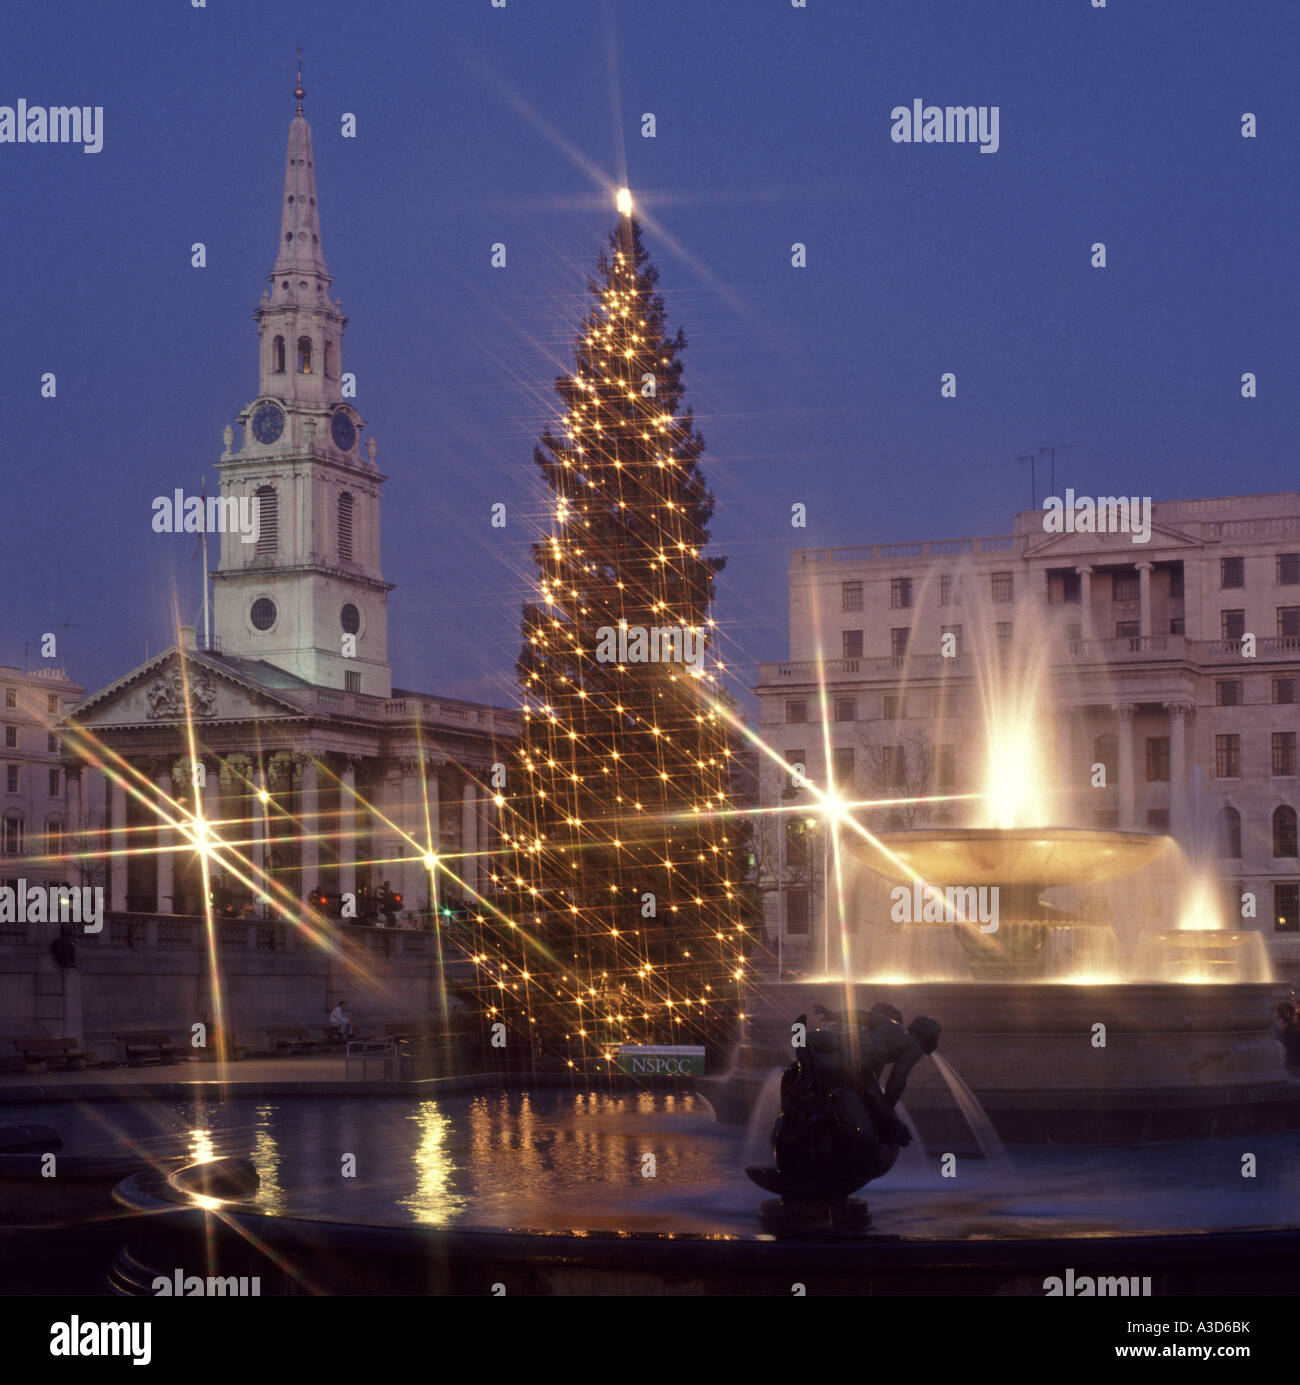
[559, 1160]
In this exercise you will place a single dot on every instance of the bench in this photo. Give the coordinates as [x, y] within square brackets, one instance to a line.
[39, 1051]
[294, 1038]
[146, 1045]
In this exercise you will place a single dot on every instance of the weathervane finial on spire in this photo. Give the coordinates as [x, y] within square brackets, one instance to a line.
[298, 91]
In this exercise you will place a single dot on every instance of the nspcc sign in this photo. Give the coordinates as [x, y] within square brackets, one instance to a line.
[661, 1060]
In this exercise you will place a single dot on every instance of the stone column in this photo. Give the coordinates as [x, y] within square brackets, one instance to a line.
[1179, 715]
[258, 821]
[1127, 787]
[469, 835]
[347, 832]
[74, 805]
[308, 827]
[1085, 601]
[116, 795]
[1144, 599]
[1064, 774]
[162, 777]
[433, 884]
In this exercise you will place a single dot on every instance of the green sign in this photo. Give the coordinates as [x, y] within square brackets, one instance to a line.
[661, 1060]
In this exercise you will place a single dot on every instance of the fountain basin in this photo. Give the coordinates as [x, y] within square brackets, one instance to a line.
[1171, 1061]
[1031, 856]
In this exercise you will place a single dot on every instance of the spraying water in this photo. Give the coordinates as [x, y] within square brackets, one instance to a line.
[985, 1136]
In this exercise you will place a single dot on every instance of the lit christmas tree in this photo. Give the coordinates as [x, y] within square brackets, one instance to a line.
[621, 912]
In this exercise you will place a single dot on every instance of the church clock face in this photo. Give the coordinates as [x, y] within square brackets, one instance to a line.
[344, 432]
[268, 423]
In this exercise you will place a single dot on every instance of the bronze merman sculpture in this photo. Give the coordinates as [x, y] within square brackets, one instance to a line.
[837, 1129]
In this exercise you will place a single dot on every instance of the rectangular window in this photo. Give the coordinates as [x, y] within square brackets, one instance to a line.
[945, 768]
[846, 709]
[1284, 690]
[52, 743]
[1157, 759]
[55, 786]
[850, 596]
[900, 593]
[1288, 569]
[1073, 633]
[1283, 744]
[1177, 625]
[851, 644]
[798, 917]
[890, 705]
[1227, 692]
[51, 702]
[1176, 582]
[1227, 757]
[1286, 907]
[13, 837]
[1127, 629]
[895, 767]
[796, 712]
[898, 638]
[1003, 584]
[11, 778]
[1004, 630]
[1232, 625]
[11, 697]
[945, 590]
[843, 770]
[351, 682]
[11, 737]
[1232, 572]
[947, 703]
[1125, 586]
[796, 844]
[1288, 621]
[955, 632]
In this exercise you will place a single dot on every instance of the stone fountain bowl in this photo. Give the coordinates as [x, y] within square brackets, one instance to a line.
[1031, 856]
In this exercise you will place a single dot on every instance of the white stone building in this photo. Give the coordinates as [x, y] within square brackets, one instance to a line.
[305, 758]
[41, 810]
[1152, 672]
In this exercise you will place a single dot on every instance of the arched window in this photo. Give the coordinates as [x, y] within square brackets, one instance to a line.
[345, 526]
[1230, 834]
[11, 835]
[268, 518]
[304, 355]
[329, 360]
[1284, 831]
[277, 355]
[1105, 751]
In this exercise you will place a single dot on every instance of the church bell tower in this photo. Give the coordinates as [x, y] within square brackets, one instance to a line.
[302, 587]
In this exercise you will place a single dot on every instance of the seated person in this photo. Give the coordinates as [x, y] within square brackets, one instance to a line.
[341, 1021]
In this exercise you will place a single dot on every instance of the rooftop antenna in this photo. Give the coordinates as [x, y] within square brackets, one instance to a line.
[1052, 451]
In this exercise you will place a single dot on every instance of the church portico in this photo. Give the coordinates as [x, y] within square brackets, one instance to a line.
[271, 773]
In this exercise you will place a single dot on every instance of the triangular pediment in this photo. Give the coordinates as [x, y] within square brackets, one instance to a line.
[1112, 548]
[163, 692]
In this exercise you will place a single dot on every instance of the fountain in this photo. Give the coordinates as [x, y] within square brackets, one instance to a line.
[1088, 985]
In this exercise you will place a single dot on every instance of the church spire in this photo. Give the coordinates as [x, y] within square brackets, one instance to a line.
[300, 249]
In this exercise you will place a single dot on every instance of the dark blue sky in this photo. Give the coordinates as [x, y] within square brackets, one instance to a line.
[819, 385]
